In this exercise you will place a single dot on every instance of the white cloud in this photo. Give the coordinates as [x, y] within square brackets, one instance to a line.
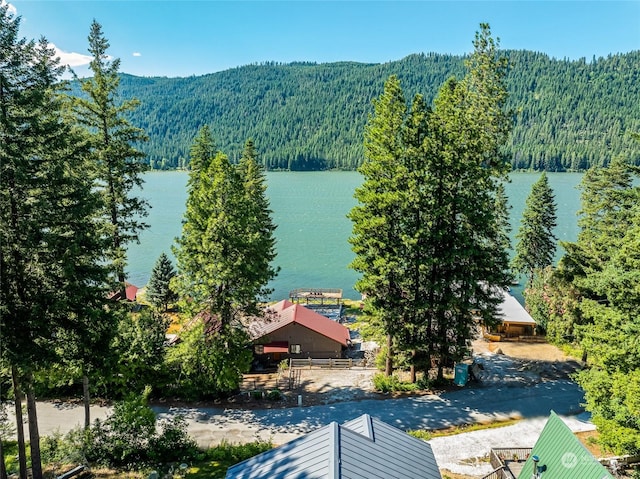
[71, 59]
[12, 10]
[137, 54]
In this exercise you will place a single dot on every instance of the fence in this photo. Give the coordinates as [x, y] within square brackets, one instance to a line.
[326, 363]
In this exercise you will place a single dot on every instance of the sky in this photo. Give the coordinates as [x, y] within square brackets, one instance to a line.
[181, 38]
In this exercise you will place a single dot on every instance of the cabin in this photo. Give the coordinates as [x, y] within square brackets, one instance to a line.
[294, 331]
[362, 447]
[516, 321]
[556, 453]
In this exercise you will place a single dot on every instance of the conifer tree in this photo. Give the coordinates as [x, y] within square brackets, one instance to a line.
[159, 290]
[376, 238]
[224, 254]
[50, 256]
[536, 243]
[429, 227]
[117, 163]
[603, 268]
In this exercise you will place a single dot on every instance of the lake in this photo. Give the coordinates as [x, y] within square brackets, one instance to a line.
[310, 211]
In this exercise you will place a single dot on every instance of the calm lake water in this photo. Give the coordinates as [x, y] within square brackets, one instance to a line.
[310, 211]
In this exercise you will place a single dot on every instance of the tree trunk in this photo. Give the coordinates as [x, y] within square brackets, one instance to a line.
[22, 455]
[3, 470]
[389, 363]
[412, 370]
[34, 434]
[86, 400]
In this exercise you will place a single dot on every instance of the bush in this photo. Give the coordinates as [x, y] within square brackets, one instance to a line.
[235, 453]
[129, 439]
[62, 449]
[391, 383]
[274, 395]
[421, 434]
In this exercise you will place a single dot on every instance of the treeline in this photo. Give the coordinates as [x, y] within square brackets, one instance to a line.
[568, 115]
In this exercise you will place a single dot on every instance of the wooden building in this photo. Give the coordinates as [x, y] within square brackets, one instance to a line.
[294, 331]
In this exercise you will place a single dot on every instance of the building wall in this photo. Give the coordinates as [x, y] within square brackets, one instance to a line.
[312, 344]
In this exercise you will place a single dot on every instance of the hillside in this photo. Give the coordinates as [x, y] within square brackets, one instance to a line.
[306, 116]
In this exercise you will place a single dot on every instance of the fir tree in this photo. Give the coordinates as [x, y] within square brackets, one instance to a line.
[429, 227]
[51, 248]
[159, 290]
[118, 165]
[536, 245]
[224, 253]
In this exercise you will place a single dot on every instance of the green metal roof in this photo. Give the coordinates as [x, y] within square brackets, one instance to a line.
[563, 454]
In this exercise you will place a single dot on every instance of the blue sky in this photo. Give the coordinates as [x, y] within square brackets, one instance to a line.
[183, 38]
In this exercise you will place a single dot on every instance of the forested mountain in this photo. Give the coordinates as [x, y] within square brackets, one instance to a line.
[568, 115]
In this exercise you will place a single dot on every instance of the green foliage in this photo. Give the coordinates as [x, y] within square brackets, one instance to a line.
[387, 384]
[117, 167]
[536, 243]
[602, 270]
[274, 395]
[570, 114]
[63, 449]
[429, 226]
[227, 244]
[231, 454]
[128, 438]
[421, 434]
[207, 365]
[159, 290]
[139, 347]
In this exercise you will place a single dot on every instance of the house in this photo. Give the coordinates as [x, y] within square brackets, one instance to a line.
[363, 447]
[516, 321]
[131, 293]
[559, 453]
[298, 332]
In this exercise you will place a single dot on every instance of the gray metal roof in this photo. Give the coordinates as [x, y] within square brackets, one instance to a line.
[362, 448]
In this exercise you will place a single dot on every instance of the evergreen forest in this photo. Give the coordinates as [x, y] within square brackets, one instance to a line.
[568, 115]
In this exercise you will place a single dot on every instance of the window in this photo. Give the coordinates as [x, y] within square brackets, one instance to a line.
[259, 348]
[295, 349]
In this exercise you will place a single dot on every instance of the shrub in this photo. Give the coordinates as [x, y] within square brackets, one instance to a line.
[391, 383]
[234, 453]
[64, 449]
[274, 395]
[129, 439]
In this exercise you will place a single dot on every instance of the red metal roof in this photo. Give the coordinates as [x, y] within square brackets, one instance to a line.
[296, 313]
[280, 306]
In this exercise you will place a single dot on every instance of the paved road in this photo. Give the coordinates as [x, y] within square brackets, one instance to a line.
[209, 426]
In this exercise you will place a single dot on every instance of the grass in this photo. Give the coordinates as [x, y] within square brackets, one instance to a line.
[427, 434]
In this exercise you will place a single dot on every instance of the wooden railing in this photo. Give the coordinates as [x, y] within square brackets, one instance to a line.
[498, 473]
[325, 363]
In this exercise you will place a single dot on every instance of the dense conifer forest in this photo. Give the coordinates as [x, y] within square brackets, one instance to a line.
[569, 115]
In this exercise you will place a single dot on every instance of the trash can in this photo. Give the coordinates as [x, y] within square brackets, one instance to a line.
[461, 374]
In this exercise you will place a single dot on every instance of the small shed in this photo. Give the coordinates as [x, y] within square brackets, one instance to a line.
[559, 453]
[363, 447]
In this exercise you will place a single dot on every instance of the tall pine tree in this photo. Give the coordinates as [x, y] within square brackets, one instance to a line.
[602, 269]
[428, 238]
[117, 163]
[536, 243]
[51, 250]
[224, 255]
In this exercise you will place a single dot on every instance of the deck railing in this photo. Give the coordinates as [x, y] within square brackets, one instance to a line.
[326, 363]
